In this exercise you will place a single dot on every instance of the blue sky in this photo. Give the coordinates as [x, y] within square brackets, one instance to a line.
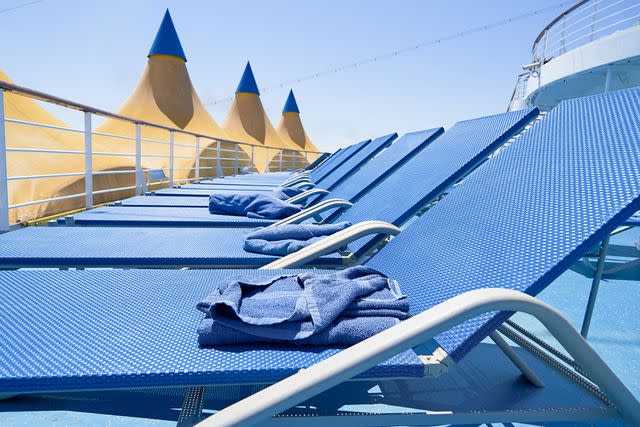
[94, 53]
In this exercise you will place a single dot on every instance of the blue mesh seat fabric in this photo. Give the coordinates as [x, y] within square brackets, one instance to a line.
[524, 217]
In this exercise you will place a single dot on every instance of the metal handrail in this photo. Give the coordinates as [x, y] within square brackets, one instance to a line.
[564, 32]
[239, 158]
[42, 96]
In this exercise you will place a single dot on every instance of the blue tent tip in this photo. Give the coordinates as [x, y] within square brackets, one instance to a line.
[248, 82]
[291, 106]
[167, 41]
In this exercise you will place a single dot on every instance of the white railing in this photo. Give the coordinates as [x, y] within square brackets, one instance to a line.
[199, 156]
[584, 22]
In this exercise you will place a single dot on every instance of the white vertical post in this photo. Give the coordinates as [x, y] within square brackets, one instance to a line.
[594, 12]
[88, 161]
[139, 174]
[4, 187]
[197, 165]
[563, 47]
[281, 157]
[171, 158]
[253, 158]
[218, 161]
[266, 159]
[306, 160]
[608, 80]
[235, 161]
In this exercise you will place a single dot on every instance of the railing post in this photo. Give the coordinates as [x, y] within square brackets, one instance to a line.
[563, 47]
[266, 159]
[197, 165]
[594, 7]
[306, 160]
[88, 161]
[253, 158]
[218, 161]
[235, 161]
[171, 158]
[4, 187]
[139, 174]
[281, 157]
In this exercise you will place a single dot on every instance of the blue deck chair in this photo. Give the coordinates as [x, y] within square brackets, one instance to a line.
[339, 173]
[280, 178]
[259, 182]
[465, 265]
[369, 175]
[327, 181]
[449, 158]
[317, 162]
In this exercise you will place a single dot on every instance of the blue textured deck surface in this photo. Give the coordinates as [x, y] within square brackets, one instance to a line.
[130, 246]
[161, 216]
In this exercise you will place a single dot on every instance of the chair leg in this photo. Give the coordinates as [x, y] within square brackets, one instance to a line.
[595, 285]
[191, 411]
[527, 372]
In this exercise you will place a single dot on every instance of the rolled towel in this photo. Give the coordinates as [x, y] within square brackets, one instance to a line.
[286, 239]
[284, 193]
[339, 308]
[251, 205]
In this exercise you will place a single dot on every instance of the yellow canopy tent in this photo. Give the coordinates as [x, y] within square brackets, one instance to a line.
[290, 127]
[248, 122]
[28, 163]
[165, 95]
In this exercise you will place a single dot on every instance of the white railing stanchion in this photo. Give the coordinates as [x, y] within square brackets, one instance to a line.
[218, 161]
[4, 187]
[235, 161]
[171, 157]
[253, 159]
[88, 161]
[139, 174]
[266, 159]
[281, 156]
[197, 165]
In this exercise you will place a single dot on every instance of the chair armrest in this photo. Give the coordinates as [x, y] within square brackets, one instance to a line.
[258, 408]
[302, 185]
[314, 211]
[304, 196]
[290, 182]
[332, 243]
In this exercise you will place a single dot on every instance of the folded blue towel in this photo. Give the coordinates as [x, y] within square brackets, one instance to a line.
[287, 239]
[284, 193]
[251, 205]
[340, 308]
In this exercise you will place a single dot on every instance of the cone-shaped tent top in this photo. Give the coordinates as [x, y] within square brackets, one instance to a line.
[290, 127]
[248, 81]
[247, 120]
[291, 106]
[164, 95]
[167, 41]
